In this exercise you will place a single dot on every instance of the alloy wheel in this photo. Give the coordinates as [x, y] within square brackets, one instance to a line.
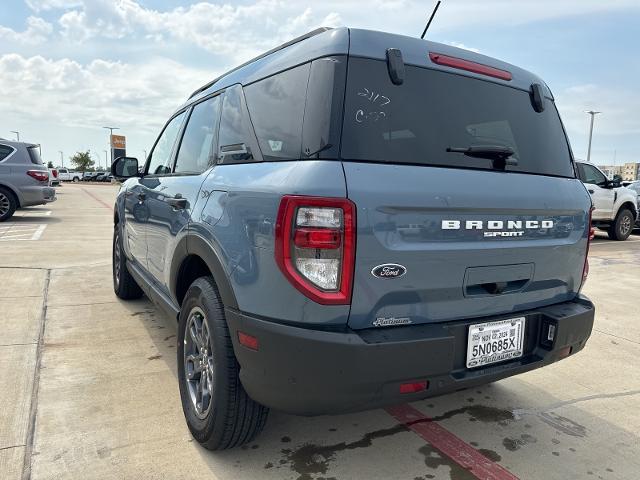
[117, 255]
[625, 225]
[198, 362]
[5, 205]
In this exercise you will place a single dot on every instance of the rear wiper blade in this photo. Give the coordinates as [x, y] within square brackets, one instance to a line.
[498, 153]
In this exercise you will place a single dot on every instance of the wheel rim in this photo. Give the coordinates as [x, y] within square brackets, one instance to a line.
[4, 204]
[625, 225]
[198, 362]
[117, 255]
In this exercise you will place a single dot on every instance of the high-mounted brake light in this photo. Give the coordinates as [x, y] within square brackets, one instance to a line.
[592, 234]
[315, 246]
[39, 175]
[469, 66]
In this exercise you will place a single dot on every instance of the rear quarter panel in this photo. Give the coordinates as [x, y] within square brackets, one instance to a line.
[236, 213]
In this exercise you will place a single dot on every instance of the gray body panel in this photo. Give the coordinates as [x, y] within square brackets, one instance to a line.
[237, 214]
[405, 227]
[13, 175]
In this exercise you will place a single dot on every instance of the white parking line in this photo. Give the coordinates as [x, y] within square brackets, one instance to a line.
[16, 232]
[595, 244]
[33, 213]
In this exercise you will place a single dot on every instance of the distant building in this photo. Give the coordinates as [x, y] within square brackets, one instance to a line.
[611, 170]
[631, 171]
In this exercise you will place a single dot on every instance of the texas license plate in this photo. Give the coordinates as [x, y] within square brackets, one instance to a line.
[495, 342]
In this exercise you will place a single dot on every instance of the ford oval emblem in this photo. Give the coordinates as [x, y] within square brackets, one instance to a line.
[388, 270]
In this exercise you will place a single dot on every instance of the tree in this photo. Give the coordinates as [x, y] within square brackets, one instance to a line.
[82, 161]
[49, 164]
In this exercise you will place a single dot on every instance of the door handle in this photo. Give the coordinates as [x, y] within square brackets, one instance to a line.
[592, 192]
[177, 202]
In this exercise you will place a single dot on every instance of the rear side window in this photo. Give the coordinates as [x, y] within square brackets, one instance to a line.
[276, 105]
[160, 159]
[236, 135]
[196, 152]
[5, 151]
[34, 155]
[590, 174]
[417, 121]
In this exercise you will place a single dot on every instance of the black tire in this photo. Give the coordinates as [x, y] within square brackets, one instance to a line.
[124, 285]
[76, 179]
[8, 204]
[622, 226]
[230, 418]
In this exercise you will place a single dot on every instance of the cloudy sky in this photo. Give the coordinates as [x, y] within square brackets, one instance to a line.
[69, 67]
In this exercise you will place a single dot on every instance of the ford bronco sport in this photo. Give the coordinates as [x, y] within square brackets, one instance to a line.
[356, 219]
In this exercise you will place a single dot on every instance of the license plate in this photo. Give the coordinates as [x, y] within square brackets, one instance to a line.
[495, 342]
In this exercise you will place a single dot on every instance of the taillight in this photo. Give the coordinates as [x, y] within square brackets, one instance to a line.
[469, 66]
[585, 268]
[54, 172]
[39, 175]
[315, 246]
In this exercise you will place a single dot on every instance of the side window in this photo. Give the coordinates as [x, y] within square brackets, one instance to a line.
[160, 159]
[592, 175]
[235, 138]
[196, 151]
[276, 106]
[5, 151]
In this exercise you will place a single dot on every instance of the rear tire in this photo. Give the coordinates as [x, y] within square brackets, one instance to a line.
[622, 226]
[8, 204]
[76, 179]
[124, 285]
[218, 411]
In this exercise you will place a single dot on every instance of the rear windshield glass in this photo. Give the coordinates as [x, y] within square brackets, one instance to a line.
[34, 154]
[432, 110]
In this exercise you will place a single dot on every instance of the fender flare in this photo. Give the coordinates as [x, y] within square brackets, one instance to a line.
[194, 244]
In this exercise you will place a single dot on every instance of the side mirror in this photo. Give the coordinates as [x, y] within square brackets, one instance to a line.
[125, 167]
[614, 184]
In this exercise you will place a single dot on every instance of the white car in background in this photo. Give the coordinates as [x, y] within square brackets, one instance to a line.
[615, 207]
[66, 175]
[635, 186]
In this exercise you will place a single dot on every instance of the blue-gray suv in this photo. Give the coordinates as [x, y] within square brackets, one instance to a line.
[356, 219]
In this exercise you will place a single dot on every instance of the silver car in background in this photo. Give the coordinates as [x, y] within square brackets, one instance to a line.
[24, 180]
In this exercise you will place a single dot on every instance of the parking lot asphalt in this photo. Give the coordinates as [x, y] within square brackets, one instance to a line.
[88, 383]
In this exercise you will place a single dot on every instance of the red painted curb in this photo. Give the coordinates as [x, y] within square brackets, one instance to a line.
[450, 445]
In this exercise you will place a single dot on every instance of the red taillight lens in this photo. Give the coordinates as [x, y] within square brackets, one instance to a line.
[591, 235]
[315, 246]
[413, 387]
[248, 341]
[54, 172]
[39, 175]
[324, 238]
[469, 66]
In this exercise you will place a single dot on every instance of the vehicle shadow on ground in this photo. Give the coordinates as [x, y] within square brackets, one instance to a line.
[512, 423]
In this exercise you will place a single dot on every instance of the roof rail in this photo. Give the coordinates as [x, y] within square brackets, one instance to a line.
[310, 34]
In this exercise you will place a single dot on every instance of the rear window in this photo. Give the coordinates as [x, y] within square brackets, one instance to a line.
[417, 121]
[5, 151]
[34, 154]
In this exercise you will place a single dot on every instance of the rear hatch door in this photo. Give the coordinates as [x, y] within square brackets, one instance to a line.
[443, 236]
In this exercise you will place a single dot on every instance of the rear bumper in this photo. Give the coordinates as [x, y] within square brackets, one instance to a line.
[312, 372]
[37, 195]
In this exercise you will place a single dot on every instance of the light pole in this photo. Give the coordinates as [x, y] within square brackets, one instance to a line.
[105, 157]
[145, 155]
[111, 129]
[61, 158]
[17, 134]
[593, 114]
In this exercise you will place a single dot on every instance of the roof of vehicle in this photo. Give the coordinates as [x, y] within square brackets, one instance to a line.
[15, 144]
[325, 42]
